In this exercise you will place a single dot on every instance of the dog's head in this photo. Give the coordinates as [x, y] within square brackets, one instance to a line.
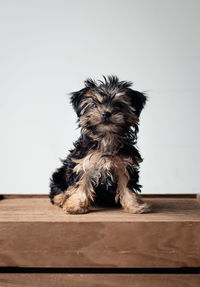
[108, 106]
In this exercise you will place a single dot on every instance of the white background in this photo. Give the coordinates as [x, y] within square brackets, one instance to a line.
[49, 47]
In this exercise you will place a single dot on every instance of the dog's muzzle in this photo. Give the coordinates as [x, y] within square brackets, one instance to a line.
[106, 116]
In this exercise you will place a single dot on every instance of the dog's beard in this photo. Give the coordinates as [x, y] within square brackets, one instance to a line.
[107, 127]
[108, 133]
[101, 127]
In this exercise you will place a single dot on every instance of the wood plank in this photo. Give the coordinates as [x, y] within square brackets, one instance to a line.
[99, 280]
[40, 210]
[35, 234]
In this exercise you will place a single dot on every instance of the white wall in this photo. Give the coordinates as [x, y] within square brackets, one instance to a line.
[49, 47]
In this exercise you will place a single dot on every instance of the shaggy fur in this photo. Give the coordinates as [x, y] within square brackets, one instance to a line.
[103, 167]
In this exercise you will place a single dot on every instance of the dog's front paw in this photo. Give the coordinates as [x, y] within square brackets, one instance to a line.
[132, 203]
[74, 205]
[59, 199]
[71, 209]
[138, 208]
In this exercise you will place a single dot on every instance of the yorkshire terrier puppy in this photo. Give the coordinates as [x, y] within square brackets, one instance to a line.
[103, 167]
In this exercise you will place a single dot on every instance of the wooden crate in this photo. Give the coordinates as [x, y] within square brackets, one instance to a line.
[33, 233]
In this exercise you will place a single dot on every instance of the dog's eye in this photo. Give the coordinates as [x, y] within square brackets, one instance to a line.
[94, 106]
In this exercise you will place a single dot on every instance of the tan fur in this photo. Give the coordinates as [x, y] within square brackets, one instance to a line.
[118, 118]
[122, 98]
[59, 199]
[129, 200]
[94, 96]
[93, 115]
[118, 95]
[78, 202]
[82, 192]
[99, 97]
[109, 143]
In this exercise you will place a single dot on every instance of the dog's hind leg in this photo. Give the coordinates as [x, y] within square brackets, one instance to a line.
[57, 187]
[57, 196]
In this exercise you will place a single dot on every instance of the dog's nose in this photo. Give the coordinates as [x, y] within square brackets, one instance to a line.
[106, 115]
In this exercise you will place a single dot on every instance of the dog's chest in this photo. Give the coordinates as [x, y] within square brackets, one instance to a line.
[95, 160]
[98, 165]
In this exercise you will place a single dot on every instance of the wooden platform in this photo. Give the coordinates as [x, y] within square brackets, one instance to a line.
[33, 233]
[99, 280]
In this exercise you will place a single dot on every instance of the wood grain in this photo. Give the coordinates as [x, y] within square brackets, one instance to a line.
[99, 280]
[35, 234]
[36, 209]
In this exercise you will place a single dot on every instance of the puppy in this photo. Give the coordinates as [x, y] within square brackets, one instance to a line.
[103, 167]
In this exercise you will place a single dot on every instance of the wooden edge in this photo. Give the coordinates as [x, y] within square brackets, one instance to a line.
[101, 270]
[160, 196]
[99, 280]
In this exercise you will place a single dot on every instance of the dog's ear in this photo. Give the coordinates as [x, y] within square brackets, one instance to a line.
[138, 100]
[76, 99]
